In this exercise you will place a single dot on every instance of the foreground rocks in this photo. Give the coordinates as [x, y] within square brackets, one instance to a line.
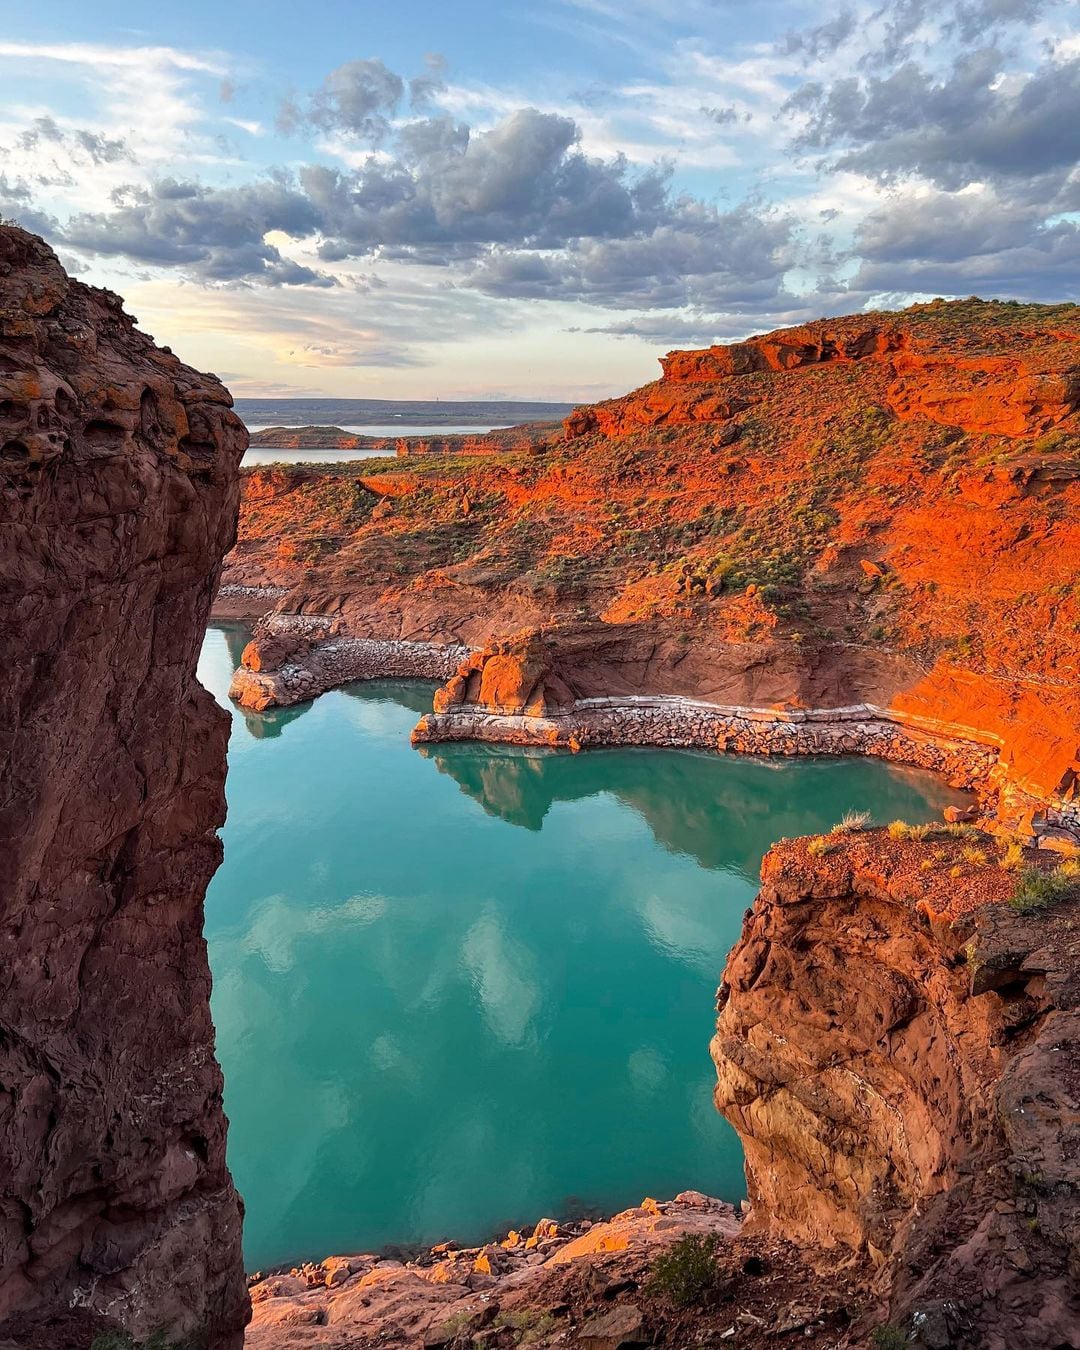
[586, 1285]
[118, 497]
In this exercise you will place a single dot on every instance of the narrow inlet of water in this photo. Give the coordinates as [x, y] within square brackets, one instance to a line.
[461, 989]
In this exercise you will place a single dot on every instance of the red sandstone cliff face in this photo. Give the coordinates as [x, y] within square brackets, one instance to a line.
[118, 492]
[878, 509]
[970, 386]
[899, 1055]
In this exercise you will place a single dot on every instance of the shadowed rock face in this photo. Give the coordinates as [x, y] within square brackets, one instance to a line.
[898, 1054]
[118, 497]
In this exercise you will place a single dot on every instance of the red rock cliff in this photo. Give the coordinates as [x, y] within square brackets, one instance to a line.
[881, 509]
[118, 483]
[899, 1055]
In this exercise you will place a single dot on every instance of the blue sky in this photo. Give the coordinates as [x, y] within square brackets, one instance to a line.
[478, 199]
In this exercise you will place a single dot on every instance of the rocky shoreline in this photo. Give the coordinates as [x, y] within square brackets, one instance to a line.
[671, 721]
[309, 657]
[293, 658]
[582, 1283]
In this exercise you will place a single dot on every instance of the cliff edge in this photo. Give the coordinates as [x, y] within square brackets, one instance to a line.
[118, 483]
[897, 1047]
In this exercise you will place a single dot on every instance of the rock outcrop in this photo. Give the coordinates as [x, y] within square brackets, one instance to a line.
[971, 387]
[118, 485]
[293, 658]
[898, 1051]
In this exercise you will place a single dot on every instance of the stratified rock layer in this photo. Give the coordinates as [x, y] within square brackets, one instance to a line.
[118, 497]
[898, 1049]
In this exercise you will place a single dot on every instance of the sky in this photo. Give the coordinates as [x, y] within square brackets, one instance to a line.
[470, 200]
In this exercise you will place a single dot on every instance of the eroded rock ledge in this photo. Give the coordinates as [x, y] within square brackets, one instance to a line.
[118, 497]
[898, 1050]
[514, 691]
[295, 657]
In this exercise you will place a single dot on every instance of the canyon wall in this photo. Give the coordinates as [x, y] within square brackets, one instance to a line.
[898, 1051]
[880, 511]
[118, 484]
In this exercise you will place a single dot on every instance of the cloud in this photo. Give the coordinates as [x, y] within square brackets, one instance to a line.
[814, 44]
[940, 139]
[692, 255]
[215, 234]
[962, 243]
[661, 330]
[964, 124]
[97, 148]
[518, 210]
[358, 97]
[96, 55]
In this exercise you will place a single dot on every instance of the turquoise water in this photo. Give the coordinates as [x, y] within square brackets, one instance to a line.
[460, 989]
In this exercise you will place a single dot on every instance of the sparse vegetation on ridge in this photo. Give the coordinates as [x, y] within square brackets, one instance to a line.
[686, 1274]
[1037, 889]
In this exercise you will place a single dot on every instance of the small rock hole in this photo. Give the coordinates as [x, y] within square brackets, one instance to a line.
[102, 432]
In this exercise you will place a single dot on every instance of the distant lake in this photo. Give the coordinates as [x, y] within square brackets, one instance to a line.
[463, 988]
[260, 455]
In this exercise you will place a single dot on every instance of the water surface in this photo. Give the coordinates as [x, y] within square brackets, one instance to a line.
[258, 455]
[461, 989]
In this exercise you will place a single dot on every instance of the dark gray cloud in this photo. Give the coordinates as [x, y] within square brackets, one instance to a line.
[518, 211]
[524, 182]
[821, 41]
[216, 234]
[358, 98]
[723, 117]
[663, 329]
[697, 256]
[17, 204]
[974, 18]
[955, 128]
[965, 243]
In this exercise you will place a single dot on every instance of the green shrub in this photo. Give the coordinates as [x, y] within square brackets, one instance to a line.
[888, 1338]
[686, 1273]
[1036, 889]
[530, 1324]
